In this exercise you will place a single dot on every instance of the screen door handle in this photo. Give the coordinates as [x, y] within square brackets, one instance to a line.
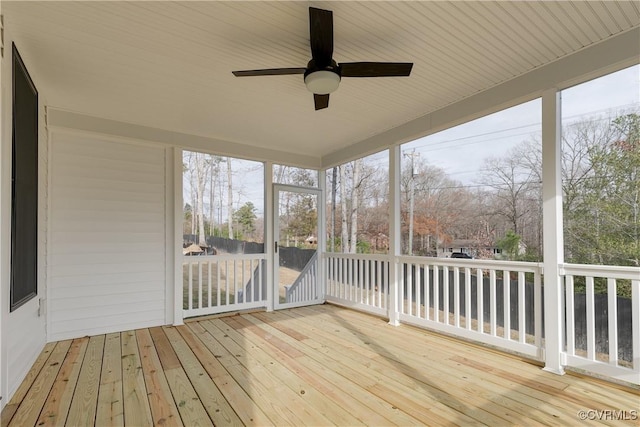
[276, 246]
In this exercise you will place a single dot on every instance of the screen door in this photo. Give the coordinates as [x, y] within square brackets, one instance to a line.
[296, 263]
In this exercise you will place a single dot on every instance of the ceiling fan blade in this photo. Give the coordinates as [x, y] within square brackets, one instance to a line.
[269, 72]
[321, 101]
[321, 35]
[375, 69]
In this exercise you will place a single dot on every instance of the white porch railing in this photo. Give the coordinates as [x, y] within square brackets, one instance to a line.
[358, 281]
[443, 294]
[603, 329]
[219, 283]
[305, 287]
[494, 302]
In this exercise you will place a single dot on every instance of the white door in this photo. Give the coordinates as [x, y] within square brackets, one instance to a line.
[296, 259]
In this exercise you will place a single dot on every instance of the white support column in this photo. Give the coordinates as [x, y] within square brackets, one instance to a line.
[170, 224]
[269, 232]
[322, 234]
[5, 238]
[394, 233]
[176, 250]
[553, 243]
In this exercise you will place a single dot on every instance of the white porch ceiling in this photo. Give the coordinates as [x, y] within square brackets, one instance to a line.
[167, 65]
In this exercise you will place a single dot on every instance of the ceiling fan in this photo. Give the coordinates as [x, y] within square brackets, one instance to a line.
[322, 74]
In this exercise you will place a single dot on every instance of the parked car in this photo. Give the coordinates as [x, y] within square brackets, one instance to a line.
[461, 255]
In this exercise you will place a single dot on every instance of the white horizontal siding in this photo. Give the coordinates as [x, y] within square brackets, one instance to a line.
[115, 323]
[78, 290]
[107, 260]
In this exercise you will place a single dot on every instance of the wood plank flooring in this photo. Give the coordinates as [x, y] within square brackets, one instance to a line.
[320, 365]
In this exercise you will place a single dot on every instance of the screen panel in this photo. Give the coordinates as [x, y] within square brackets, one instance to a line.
[24, 186]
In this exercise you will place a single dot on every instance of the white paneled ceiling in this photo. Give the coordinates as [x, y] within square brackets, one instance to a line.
[167, 65]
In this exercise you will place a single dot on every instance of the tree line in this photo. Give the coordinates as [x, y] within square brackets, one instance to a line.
[215, 203]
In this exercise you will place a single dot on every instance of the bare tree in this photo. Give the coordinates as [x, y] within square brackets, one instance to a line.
[334, 179]
[437, 205]
[512, 183]
[343, 209]
[530, 154]
[355, 205]
[202, 168]
[373, 212]
[215, 177]
[189, 167]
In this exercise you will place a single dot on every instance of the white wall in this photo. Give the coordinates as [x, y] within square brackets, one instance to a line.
[22, 333]
[108, 235]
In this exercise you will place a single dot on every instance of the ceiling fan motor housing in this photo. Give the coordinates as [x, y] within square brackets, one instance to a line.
[322, 80]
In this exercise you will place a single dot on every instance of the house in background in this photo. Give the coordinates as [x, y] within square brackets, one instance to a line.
[467, 246]
[124, 87]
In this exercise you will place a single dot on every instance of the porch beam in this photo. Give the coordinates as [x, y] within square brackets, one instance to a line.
[395, 247]
[553, 238]
[60, 119]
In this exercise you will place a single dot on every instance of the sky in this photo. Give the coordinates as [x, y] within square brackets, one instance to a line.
[460, 151]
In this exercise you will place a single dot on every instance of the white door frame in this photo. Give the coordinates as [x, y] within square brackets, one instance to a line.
[277, 188]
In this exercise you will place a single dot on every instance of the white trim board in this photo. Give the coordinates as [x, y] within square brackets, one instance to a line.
[65, 119]
[23, 331]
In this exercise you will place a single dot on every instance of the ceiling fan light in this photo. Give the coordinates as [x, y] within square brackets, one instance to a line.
[322, 82]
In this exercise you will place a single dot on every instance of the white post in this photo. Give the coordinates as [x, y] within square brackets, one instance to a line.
[322, 235]
[553, 244]
[394, 233]
[269, 242]
[5, 233]
[172, 200]
[178, 285]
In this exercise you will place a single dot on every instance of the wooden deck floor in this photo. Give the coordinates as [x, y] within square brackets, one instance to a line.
[321, 365]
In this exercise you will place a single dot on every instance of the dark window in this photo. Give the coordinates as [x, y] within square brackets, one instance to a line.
[24, 186]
